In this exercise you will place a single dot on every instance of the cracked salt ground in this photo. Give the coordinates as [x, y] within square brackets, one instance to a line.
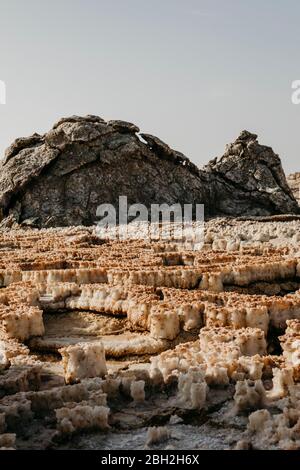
[85, 324]
[104, 345]
[181, 437]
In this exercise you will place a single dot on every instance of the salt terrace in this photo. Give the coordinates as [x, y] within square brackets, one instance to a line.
[122, 344]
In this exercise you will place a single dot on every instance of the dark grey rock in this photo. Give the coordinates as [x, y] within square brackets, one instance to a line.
[59, 179]
[249, 180]
[294, 183]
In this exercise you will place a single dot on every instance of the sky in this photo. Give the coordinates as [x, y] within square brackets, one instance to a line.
[193, 72]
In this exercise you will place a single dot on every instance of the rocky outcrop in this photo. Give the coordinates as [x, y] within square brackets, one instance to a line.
[249, 180]
[60, 178]
[294, 183]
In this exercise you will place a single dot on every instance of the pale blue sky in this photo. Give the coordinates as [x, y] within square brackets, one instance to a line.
[193, 72]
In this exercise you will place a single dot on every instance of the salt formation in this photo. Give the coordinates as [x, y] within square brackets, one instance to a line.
[83, 360]
[192, 389]
[249, 395]
[282, 380]
[156, 435]
[81, 417]
[164, 324]
[7, 441]
[291, 345]
[279, 430]
[105, 335]
[23, 323]
[137, 390]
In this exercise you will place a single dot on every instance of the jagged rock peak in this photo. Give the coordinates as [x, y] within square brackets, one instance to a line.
[246, 136]
[249, 172]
